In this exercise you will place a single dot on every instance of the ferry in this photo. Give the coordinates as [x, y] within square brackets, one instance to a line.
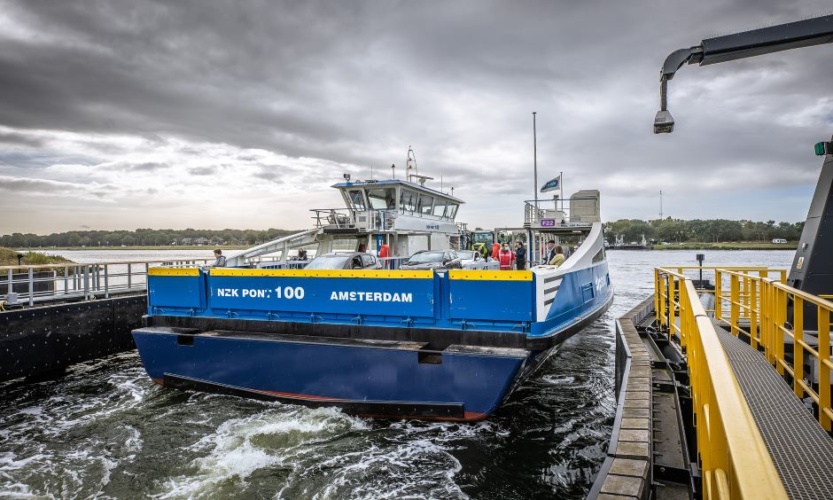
[437, 344]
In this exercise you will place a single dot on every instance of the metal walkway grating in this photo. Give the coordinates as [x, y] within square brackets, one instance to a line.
[801, 449]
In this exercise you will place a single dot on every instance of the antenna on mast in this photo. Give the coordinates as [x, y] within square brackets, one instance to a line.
[411, 164]
[660, 204]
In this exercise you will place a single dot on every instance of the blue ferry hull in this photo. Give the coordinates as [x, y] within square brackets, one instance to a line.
[387, 379]
[420, 344]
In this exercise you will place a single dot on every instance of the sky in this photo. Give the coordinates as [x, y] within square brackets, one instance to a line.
[208, 114]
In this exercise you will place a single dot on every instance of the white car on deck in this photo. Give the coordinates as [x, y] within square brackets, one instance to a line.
[473, 260]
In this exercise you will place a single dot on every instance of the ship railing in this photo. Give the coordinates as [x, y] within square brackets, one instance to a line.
[37, 284]
[340, 218]
[343, 218]
[734, 460]
[772, 316]
[709, 287]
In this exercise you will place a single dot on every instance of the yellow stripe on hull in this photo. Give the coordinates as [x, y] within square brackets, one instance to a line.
[489, 275]
[323, 273]
[174, 271]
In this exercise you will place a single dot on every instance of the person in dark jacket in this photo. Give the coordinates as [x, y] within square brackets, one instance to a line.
[520, 256]
[550, 251]
[220, 258]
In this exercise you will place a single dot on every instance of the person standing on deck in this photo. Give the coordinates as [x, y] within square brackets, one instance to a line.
[481, 249]
[384, 253]
[219, 259]
[520, 256]
[559, 257]
[550, 251]
[495, 250]
[506, 257]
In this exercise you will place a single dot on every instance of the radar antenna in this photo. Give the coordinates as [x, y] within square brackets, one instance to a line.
[411, 164]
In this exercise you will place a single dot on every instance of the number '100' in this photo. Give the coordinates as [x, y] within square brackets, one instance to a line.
[289, 292]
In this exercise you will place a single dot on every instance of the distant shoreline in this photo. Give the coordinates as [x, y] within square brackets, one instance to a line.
[728, 246]
[207, 248]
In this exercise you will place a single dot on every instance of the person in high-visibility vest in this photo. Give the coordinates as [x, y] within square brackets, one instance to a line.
[384, 253]
[495, 250]
[506, 257]
[481, 249]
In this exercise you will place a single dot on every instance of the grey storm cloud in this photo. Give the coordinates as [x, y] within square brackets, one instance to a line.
[348, 86]
[147, 167]
[205, 171]
[39, 187]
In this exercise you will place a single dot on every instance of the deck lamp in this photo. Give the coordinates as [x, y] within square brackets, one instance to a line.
[19, 258]
[700, 258]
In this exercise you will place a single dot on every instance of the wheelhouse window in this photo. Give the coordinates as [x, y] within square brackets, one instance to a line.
[451, 210]
[426, 204]
[439, 208]
[356, 197]
[409, 201]
[382, 199]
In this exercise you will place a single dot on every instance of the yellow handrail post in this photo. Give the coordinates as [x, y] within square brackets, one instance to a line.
[657, 296]
[746, 301]
[754, 332]
[718, 294]
[798, 348]
[767, 318]
[670, 304]
[734, 304]
[780, 321]
[824, 368]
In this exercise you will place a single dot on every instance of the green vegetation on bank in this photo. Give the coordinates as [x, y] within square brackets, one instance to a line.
[699, 233]
[727, 246]
[668, 230]
[8, 257]
[147, 238]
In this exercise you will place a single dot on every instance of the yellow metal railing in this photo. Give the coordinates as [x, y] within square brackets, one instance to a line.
[733, 457]
[763, 304]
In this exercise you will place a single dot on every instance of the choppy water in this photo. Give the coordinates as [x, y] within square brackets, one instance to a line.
[106, 431]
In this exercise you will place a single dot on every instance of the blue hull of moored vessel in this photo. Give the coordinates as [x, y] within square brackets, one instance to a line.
[388, 343]
[386, 379]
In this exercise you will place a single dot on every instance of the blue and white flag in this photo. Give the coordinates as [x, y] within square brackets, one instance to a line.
[552, 184]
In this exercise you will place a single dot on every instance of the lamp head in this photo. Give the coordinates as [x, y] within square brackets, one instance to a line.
[664, 122]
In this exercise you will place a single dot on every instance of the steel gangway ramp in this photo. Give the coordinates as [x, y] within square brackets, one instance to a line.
[800, 448]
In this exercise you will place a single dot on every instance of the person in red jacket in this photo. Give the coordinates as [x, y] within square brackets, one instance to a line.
[506, 257]
[384, 253]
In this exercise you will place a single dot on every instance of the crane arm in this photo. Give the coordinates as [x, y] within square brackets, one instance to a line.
[797, 34]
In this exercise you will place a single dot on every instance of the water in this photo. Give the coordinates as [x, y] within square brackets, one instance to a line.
[106, 431]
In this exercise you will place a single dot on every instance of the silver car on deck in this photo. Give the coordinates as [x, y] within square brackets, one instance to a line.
[438, 260]
[345, 260]
[471, 259]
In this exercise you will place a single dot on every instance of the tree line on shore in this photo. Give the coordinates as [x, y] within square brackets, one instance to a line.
[705, 231]
[143, 237]
[668, 230]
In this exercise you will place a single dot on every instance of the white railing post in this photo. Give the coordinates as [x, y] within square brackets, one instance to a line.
[31, 286]
[86, 282]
